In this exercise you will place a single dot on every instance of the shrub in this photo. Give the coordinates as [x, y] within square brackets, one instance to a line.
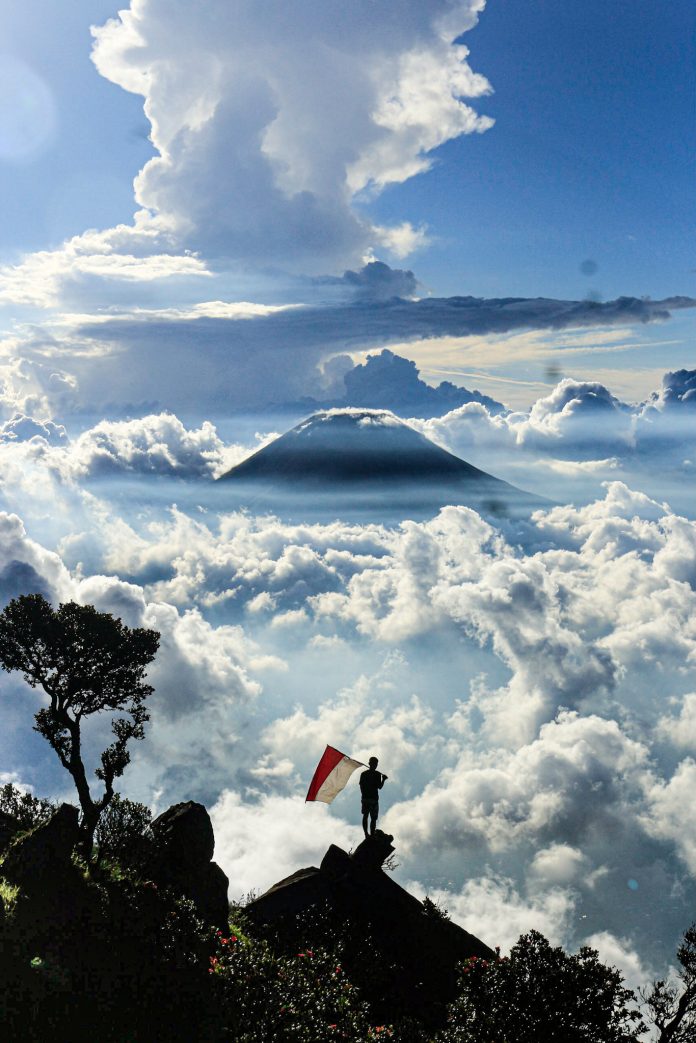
[434, 909]
[307, 997]
[541, 992]
[123, 832]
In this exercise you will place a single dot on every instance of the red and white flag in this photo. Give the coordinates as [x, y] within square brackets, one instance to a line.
[333, 771]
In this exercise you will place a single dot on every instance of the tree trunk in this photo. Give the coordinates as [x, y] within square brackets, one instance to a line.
[90, 811]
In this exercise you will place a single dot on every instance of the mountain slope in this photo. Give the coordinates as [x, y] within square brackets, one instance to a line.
[365, 453]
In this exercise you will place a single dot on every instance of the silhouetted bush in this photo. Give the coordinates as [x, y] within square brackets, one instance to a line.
[124, 961]
[123, 832]
[265, 997]
[540, 992]
[29, 811]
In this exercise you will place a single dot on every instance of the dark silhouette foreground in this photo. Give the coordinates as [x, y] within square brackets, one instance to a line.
[414, 953]
[371, 782]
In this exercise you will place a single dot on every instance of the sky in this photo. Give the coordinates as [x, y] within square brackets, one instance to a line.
[216, 218]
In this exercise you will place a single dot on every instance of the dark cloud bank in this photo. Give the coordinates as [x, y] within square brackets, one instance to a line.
[220, 365]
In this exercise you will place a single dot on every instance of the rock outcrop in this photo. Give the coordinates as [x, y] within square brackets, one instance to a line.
[43, 855]
[415, 951]
[184, 847]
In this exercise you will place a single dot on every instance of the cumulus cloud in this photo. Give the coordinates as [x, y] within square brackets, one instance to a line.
[34, 451]
[494, 910]
[267, 127]
[619, 952]
[21, 428]
[295, 835]
[374, 281]
[26, 566]
[372, 714]
[575, 783]
[34, 386]
[127, 255]
[583, 434]
[387, 381]
[157, 445]
[580, 419]
[678, 390]
[681, 730]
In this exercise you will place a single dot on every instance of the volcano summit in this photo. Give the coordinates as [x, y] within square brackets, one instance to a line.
[359, 458]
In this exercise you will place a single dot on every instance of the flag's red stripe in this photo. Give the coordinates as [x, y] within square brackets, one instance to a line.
[330, 758]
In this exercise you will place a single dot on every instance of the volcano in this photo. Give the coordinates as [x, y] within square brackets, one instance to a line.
[364, 458]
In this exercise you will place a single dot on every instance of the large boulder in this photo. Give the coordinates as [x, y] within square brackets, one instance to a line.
[184, 847]
[43, 855]
[414, 950]
[185, 832]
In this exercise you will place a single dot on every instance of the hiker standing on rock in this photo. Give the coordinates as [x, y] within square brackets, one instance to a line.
[371, 782]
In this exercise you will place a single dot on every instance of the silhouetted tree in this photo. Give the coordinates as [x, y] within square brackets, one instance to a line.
[86, 662]
[671, 1005]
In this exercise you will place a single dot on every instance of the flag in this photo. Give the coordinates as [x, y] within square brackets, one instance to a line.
[333, 771]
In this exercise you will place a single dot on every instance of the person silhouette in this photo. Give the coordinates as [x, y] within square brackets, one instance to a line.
[371, 782]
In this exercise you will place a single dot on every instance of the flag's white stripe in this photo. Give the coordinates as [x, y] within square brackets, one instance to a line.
[336, 779]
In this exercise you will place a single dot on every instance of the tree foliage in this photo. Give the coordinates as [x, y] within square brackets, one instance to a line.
[123, 832]
[541, 992]
[671, 1005]
[86, 662]
[28, 810]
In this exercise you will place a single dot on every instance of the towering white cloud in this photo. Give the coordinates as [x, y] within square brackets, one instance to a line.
[268, 121]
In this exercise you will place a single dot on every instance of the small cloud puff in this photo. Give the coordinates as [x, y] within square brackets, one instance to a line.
[156, 444]
[678, 390]
[21, 428]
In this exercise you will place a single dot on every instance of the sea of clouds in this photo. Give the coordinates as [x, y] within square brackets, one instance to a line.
[529, 690]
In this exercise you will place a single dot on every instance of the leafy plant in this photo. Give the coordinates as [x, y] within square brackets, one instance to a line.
[306, 997]
[434, 909]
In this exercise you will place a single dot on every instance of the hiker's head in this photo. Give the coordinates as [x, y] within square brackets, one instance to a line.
[373, 762]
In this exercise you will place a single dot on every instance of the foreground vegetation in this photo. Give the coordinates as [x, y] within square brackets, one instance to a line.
[120, 960]
[95, 949]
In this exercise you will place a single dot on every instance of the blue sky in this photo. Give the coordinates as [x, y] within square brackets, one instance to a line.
[506, 676]
[591, 158]
[582, 188]
[82, 177]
